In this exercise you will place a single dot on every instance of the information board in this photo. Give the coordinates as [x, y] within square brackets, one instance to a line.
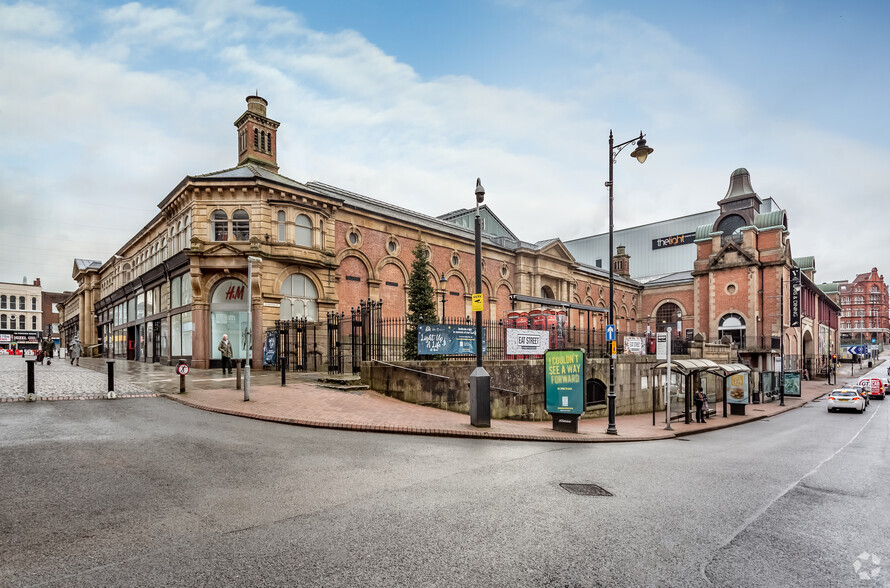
[792, 384]
[737, 388]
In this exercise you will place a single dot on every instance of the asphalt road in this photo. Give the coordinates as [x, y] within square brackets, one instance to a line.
[146, 492]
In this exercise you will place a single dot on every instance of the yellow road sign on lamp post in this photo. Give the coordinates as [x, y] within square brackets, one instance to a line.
[477, 302]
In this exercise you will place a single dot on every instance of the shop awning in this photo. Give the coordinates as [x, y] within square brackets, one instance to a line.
[726, 369]
[688, 366]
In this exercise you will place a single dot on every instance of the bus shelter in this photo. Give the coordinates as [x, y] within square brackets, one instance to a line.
[689, 369]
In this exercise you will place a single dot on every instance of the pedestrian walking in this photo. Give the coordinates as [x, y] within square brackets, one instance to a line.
[699, 399]
[75, 349]
[225, 350]
[49, 346]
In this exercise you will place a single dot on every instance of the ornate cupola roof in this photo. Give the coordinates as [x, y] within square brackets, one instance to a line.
[257, 141]
[740, 205]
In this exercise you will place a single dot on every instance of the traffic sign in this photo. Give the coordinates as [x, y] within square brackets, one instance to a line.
[614, 348]
[610, 332]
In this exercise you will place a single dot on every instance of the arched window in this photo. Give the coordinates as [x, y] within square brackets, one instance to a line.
[734, 326]
[303, 231]
[188, 232]
[33, 323]
[2, 321]
[22, 322]
[22, 304]
[241, 226]
[33, 303]
[164, 248]
[256, 139]
[668, 315]
[282, 227]
[220, 225]
[299, 298]
[731, 227]
[546, 292]
[3, 301]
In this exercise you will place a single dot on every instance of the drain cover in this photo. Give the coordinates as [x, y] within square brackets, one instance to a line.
[586, 489]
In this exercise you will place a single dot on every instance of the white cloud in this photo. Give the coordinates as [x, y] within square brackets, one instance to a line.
[96, 141]
[29, 20]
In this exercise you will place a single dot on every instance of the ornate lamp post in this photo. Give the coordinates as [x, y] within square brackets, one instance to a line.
[641, 152]
[442, 283]
[480, 381]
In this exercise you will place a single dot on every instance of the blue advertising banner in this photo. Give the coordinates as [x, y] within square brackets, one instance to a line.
[270, 349]
[448, 340]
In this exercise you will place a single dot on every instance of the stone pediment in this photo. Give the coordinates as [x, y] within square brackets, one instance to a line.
[731, 255]
[216, 248]
[556, 249]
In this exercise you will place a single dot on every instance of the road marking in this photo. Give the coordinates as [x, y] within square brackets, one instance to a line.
[750, 520]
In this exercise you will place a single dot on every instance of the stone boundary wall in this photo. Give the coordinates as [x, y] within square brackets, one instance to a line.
[517, 386]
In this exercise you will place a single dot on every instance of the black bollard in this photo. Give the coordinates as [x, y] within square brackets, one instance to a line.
[30, 378]
[237, 374]
[282, 374]
[110, 363]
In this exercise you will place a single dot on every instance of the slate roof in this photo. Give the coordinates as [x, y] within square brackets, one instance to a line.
[85, 264]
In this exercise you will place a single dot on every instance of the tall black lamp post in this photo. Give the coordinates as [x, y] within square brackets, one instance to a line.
[443, 282]
[641, 152]
[480, 381]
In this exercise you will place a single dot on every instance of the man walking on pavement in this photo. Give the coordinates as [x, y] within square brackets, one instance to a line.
[225, 350]
[48, 347]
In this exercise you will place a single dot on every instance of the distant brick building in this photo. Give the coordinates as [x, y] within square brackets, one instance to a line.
[864, 309]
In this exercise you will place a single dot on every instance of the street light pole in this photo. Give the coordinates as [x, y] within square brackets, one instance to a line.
[250, 261]
[640, 153]
[443, 282]
[480, 381]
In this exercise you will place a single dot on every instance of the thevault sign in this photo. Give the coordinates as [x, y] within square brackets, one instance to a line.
[673, 240]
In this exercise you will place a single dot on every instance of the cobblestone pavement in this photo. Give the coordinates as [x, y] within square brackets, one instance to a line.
[59, 381]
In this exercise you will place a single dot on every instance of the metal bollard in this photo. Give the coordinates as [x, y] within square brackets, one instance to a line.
[237, 374]
[111, 394]
[282, 374]
[30, 363]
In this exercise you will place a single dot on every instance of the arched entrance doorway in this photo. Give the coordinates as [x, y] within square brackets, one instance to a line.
[228, 316]
[734, 326]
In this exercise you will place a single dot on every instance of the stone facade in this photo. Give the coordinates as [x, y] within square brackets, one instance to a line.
[21, 315]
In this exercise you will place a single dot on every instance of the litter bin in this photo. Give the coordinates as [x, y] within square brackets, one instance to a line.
[869, 364]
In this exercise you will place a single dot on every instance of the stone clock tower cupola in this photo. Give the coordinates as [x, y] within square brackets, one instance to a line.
[257, 141]
[739, 206]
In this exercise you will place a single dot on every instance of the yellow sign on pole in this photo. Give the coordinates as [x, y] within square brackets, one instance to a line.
[614, 347]
[477, 302]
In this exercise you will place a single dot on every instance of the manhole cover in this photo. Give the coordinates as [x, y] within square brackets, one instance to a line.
[586, 489]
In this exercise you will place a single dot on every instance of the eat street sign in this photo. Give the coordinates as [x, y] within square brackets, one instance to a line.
[610, 333]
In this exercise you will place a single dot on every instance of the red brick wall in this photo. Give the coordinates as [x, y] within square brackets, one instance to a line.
[351, 292]
[394, 297]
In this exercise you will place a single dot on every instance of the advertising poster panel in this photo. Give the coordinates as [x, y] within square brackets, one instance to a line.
[737, 388]
[792, 384]
[448, 340]
[270, 348]
[564, 381]
[527, 342]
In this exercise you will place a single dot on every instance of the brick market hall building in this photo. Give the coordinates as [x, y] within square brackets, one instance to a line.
[179, 284]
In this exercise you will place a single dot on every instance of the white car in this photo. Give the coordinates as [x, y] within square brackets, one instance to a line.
[846, 398]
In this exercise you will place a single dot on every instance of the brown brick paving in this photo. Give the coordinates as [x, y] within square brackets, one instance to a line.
[306, 404]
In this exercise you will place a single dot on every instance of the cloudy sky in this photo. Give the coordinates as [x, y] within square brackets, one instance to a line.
[105, 107]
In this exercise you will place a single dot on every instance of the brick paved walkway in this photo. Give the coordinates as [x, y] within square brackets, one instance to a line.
[306, 404]
[303, 402]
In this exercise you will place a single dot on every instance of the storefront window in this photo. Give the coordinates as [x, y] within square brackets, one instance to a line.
[140, 306]
[149, 303]
[176, 338]
[186, 294]
[176, 292]
[165, 338]
[131, 309]
[228, 316]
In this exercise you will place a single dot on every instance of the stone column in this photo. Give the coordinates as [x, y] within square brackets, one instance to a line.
[201, 336]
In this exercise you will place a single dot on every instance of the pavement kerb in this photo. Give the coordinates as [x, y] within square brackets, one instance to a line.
[409, 430]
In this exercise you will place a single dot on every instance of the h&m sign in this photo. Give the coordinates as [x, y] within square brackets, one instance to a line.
[673, 240]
